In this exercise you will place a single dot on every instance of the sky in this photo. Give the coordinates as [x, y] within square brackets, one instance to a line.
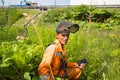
[61, 2]
[40, 2]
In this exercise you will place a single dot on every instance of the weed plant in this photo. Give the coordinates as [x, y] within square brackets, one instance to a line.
[99, 43]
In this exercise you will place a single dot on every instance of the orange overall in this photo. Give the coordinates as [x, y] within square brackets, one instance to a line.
[52, 58]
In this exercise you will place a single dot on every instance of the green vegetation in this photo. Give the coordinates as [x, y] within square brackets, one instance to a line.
[8, 16]
[97, 41]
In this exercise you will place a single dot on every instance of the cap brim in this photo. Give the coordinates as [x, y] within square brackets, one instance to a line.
[74, 28]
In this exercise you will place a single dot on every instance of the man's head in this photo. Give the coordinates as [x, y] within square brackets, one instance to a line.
[63, 30]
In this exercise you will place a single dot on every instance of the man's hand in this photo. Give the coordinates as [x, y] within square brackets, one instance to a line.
[81, 63]
[81, 66]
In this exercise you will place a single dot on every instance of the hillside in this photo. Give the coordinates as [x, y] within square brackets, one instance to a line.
[30, 13]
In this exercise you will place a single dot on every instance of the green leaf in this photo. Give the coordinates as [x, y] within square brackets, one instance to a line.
[9, 72]
[27, 76]
[5, 62]
[19, 60]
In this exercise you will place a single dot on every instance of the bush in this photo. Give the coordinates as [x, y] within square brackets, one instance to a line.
[80, 13]
[9, 16]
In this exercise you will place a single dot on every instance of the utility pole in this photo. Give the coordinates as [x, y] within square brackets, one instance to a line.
[2, 2]
[55, 3]
[24, 0]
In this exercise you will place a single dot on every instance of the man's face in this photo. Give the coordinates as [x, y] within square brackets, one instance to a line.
[62, 37]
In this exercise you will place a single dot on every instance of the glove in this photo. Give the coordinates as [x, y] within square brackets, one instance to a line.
[81, 61]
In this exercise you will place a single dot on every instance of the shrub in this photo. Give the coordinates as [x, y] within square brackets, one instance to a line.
[9, 16]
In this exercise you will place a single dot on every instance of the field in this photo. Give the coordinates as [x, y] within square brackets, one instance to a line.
[98, 41]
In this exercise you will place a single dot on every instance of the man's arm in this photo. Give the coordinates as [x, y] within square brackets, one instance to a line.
[44, 67]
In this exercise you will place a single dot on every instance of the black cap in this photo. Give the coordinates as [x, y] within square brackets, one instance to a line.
[65, 26]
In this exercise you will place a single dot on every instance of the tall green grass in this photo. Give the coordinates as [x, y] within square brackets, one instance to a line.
[96, 42]
[102, 50]
[101, 47]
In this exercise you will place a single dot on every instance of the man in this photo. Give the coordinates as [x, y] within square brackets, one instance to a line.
[54, 62]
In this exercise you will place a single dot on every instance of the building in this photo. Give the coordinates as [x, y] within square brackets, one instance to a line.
[79, 2]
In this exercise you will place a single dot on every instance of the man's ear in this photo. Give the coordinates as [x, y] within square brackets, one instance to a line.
[57, 34]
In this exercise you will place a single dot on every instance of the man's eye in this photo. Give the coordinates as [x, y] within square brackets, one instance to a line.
[63, 35]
